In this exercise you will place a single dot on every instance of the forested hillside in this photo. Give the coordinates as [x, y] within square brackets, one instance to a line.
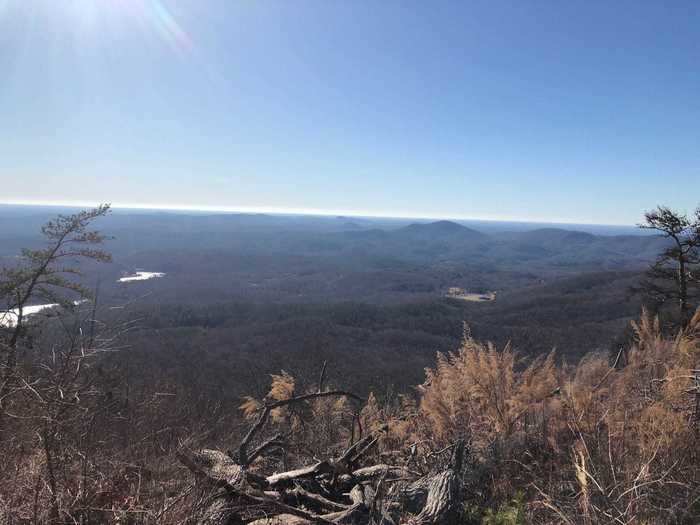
[554, 287]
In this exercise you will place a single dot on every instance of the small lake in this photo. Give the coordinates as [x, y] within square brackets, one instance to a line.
[140, 276]
[8, 319]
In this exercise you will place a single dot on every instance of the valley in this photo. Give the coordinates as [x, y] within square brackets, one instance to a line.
[540, 288]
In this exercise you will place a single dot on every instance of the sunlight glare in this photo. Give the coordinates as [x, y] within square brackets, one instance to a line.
[154, 16]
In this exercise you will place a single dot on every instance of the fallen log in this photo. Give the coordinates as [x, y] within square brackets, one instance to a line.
[285, 478]
[409, 497]
[281, 519]
[214, 465]
[329, 492]
[283, 508]
[317, 500]
[356, 515]
[389, 472]
[432, 500]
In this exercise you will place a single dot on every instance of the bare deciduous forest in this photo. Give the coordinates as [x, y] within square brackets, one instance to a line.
[103, 418]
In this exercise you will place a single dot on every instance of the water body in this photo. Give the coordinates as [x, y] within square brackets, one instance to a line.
[140, 276]
[8, 319]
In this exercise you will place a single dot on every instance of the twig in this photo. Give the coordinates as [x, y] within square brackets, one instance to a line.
[243, 458]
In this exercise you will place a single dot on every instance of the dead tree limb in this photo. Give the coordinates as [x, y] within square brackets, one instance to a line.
[322, 502]
[331, 491]
[243, 458]
[289, 509]
[322, 467]
[347, 456]
[322, 377]
[275, 441]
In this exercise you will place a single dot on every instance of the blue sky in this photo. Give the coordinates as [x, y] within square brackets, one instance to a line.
[583, 112]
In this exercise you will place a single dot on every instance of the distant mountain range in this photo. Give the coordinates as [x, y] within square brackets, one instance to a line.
[20, 219]
[348, 238]
[443, 230]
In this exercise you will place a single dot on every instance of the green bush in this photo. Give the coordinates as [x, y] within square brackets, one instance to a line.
[511, 513]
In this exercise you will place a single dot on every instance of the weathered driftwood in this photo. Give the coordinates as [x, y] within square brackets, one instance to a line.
[432, 500]
[286, 478]
[238, 489]
[357, 495]
[355, 515]
[409, 497]
[315, 500]
[281, 519]
[230, 472]
[389, 471]
[213, 465]
[336, 491]
[279, 507]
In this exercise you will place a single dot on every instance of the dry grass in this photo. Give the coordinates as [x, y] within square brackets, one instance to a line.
[586, 444]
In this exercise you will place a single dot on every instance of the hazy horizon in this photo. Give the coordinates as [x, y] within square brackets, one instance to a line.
[125, 208]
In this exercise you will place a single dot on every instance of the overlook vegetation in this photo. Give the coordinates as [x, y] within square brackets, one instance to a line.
[123, 408]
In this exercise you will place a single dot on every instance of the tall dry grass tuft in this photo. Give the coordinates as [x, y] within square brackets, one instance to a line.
[591, 443]
[486, 391]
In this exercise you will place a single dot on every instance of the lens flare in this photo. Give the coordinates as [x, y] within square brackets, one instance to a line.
[156, 15]
[91, 22]
[168, 27]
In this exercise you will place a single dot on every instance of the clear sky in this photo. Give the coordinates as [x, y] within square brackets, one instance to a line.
[573, 111]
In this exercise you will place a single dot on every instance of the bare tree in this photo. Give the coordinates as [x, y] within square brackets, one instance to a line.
[46, 274]
[675, 271]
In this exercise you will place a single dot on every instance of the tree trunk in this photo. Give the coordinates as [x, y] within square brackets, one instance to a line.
[682, 291]
[50, 475]
[442, 503]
